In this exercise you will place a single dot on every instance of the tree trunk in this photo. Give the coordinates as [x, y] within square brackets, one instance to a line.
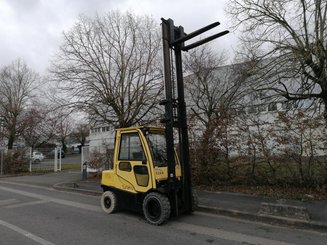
[64, 147]
[11, 140]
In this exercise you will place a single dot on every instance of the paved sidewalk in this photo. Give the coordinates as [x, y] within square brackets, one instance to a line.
[301, 214]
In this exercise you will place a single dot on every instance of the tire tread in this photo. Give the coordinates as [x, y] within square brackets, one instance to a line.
[165, 210]
[114, 202]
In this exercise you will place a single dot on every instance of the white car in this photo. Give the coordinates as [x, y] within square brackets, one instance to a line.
[37, 157]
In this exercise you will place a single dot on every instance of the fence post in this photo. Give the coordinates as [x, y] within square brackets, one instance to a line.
[1, 162]
[30, 159]
[84, 174]
[85, 155]
[59, 158]
[56, 159]
[82, 157]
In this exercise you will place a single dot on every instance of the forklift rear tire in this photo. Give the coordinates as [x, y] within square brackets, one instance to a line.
[109, 202]
[156, 208]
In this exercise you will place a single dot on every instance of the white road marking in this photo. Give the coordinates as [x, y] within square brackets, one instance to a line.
[8, 201]
[55, 200]
[26, 233]
[218, 233]
[19, 205]
[226, 235]
[46, 188]
[27, 185]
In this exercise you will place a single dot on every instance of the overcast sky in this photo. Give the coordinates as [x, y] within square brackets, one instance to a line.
[32, 29]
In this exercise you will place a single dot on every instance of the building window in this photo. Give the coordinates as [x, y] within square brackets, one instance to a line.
[288, 105]
[240, 111]
[252, 109]
[261, 108]
[272, 106]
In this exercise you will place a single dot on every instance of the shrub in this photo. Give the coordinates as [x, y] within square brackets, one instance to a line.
[14, 161]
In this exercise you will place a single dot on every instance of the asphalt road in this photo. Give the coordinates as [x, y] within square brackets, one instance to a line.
[31, 214]
[68, 159]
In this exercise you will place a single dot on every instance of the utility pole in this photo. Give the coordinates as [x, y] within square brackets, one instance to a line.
[174, 39]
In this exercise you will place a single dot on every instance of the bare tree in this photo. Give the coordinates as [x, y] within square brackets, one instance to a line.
[214, 89]
[288, 38]
[214, 92]
[16, 85]
[63, 123]
[109, 67]
[34, 122]
[80, 133]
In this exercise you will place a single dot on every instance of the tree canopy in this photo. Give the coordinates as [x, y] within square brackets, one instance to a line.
[109, 67]
[288, 39]
[16, 84]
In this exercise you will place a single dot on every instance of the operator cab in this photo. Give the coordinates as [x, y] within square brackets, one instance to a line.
[140, 172]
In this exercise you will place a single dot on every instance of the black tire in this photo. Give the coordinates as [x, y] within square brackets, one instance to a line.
[36, 161]
[109, 202]
[156, 208]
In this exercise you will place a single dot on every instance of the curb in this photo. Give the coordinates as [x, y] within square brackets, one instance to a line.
[283, 210]
[264, 218]
[312, 225]
[63, 187]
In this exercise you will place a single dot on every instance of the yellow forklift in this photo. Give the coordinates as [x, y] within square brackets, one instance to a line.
[138, 180]
[148, 175]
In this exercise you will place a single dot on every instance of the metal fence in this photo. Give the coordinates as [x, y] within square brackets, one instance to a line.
[97, 160]
[30, 160]
[85, 156]
[46, 159]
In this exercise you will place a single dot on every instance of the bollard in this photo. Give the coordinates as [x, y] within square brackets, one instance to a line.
[84, 174]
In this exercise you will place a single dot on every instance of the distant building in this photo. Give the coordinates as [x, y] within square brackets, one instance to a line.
[101, 137]
[253, 114]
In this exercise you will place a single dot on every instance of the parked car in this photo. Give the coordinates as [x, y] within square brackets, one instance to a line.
[52, 154]
[37, 157]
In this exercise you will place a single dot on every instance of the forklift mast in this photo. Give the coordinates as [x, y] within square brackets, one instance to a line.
[174, 39]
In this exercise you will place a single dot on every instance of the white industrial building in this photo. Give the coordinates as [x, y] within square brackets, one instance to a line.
[101, 137]
[255, 112]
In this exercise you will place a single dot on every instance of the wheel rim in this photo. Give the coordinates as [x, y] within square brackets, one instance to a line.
[154, 209]
[107, 202]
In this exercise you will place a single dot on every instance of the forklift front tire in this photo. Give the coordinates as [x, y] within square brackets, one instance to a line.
[109, 202]
[156, 208]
